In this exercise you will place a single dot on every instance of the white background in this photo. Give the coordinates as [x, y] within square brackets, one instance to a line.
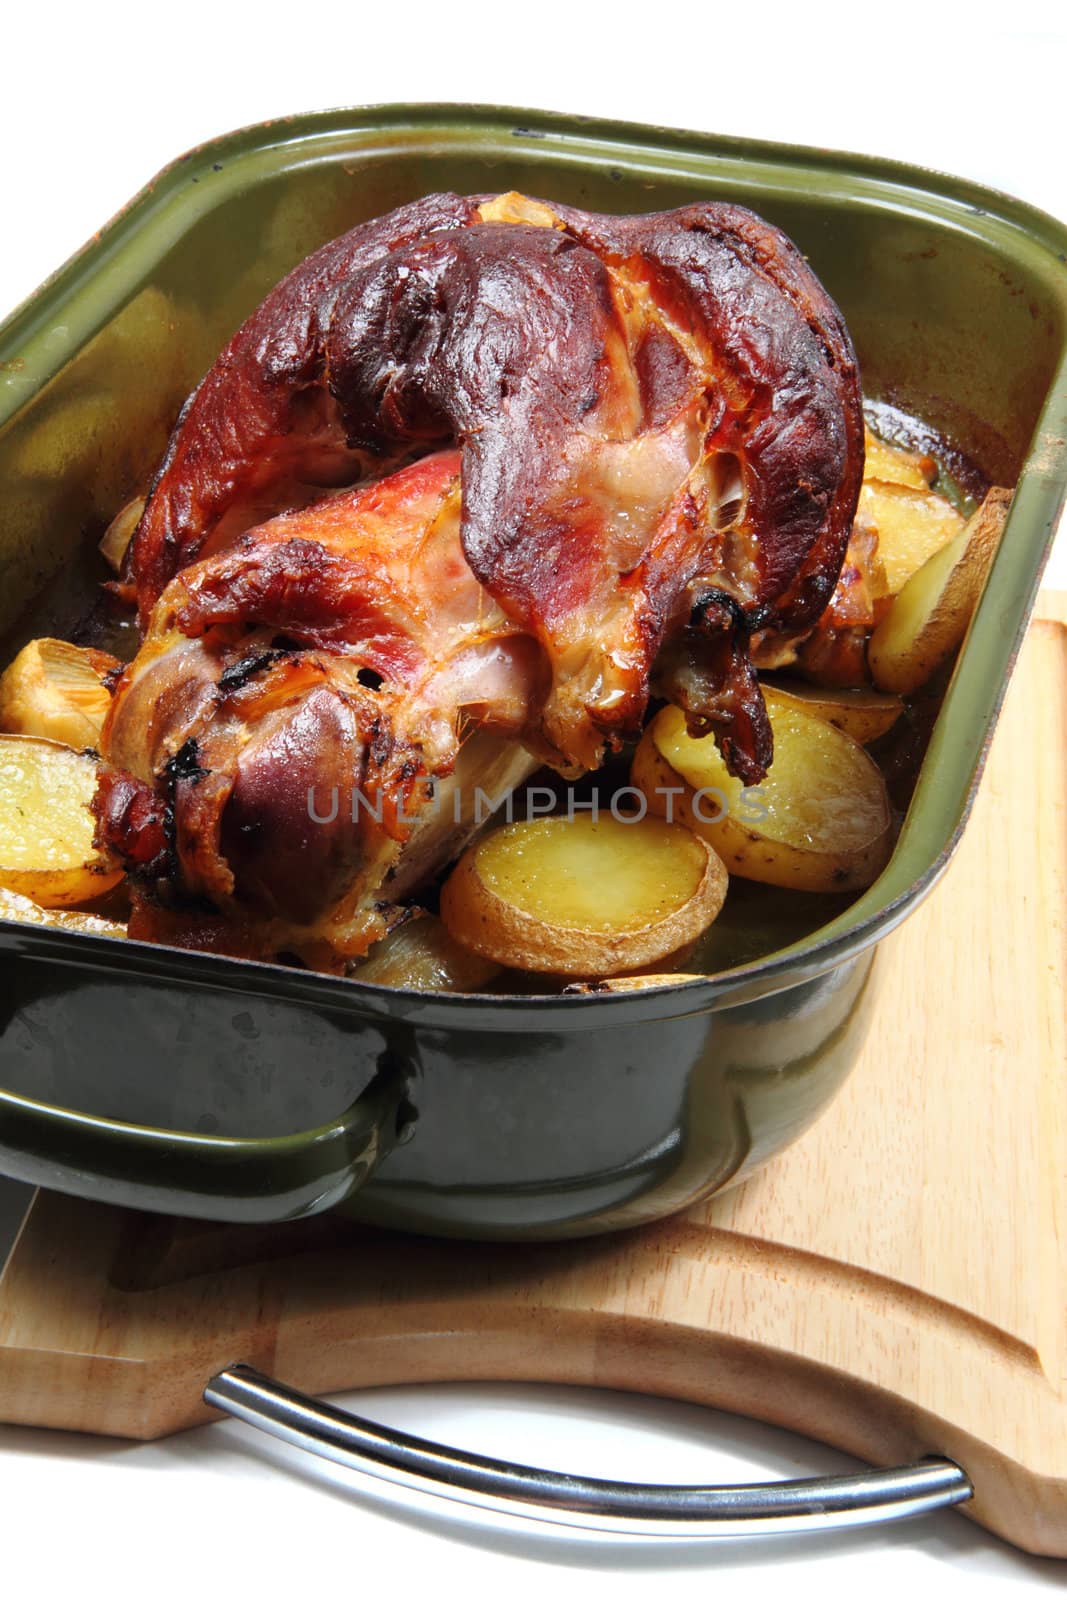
[91, 105]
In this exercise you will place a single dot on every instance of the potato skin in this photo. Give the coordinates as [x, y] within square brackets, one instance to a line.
[61, 890]
[863, 714]
[744, 850]
[668, 794]
[750, 854]
[20, 908]
[487, 923]
[929, 617]
[912, 525]
[45, 867]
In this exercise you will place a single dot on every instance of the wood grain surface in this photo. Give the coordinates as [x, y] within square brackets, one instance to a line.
[894, 1284]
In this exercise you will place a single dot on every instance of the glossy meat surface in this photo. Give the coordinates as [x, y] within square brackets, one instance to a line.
[295, 704]
[657, 416]
[638, 440]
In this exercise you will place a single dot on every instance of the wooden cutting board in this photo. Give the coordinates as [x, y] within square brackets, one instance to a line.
[894, 1284]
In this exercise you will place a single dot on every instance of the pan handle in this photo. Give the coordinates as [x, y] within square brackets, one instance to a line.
[200, 1175]
[799, 1505]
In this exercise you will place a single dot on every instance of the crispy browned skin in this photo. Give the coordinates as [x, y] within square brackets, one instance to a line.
[647, 433]
[659, 420]
[834, 651]
[262, 431]
[296, 693]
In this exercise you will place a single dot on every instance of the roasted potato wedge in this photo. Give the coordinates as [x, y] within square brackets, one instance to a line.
[892, 463]
[54, 690]
[422, 954]
[17, 908]
[929, 617]
[864, 714]
[819, 821]
[46, 827]
[912, 524]
[582, 896]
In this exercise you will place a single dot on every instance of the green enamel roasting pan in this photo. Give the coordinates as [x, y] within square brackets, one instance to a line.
[213, 1087]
